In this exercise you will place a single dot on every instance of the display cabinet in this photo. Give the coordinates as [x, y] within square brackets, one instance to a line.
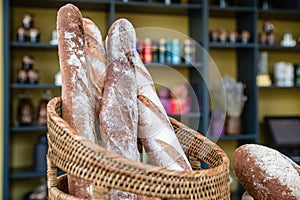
[20, 139]
[195, 18]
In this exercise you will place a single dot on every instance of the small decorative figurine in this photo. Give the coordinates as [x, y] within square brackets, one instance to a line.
[22, 35]
[223, 36]
[288, 40]
[42, 110]
[34, 35]
[54, 40]
[263, 38]
[27, 62]
[233, 36]
[268, 27]
[271, 39]
[25, 111]
[33, 76]
[245, 36]
[214, 36]
[28, 33]
[22, 77]
[27, 21]
[27, 74]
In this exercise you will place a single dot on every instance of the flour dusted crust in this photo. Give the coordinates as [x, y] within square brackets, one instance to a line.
[95, 57]
[119, 113]
[266, 173]
[96, 68]
[154, 128]
[75, 85]
[75, 81]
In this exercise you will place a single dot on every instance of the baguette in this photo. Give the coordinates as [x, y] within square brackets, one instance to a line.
[75, 85]
[154, 130]
[96, 67]
[119, 114]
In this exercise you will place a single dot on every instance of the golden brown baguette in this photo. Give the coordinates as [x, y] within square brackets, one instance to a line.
[119, 114]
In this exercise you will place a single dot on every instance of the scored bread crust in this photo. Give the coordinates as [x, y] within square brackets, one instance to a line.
[265, 173]
[118, 114]
[76, 85]
[154, 129]
[96, 68]
[75, 81]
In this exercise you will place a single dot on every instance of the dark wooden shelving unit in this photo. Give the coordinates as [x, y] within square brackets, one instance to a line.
[246, 14]
[35, 86]
[38, 45]
[110, 7]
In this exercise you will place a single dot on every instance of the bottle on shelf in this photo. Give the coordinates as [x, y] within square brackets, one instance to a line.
[25, 111]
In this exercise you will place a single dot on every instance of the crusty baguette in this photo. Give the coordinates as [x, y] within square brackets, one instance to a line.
[154, 129]
[265, 173]
[119, 114]
[95, 57]
[96, 67]
[75, 85]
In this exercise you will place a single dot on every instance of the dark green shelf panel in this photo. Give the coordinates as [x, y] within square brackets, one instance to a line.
[28, 128]
[229, 11]
[231, 8]
[182, 65]
[234, 137]
[187, 115]
[28, 172]
[38, 45]
[81, 4]
[279, 87]
[230, 45]
[156, 7]
[35, 86]
[281, 14]
[278, 47]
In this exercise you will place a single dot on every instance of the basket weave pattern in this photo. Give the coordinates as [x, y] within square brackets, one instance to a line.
[81, 158]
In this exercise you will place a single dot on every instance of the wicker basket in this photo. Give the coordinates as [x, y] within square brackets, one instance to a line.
[81, 158]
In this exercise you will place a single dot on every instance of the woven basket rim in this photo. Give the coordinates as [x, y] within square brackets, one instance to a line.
[143, 166]
[83, 159]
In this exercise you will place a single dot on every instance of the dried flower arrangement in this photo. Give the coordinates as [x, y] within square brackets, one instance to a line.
[234, 96]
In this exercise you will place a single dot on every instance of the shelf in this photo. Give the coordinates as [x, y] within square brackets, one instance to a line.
[278, 47]
[182, 65]
[228, 11]
[28, 172]
[28, 128]
[38, 45]
[82, 4]
[281, 14]
[279, 87]
[35, 86]
[233, 137]
[156, 7]
[187, 115]
[230, 45]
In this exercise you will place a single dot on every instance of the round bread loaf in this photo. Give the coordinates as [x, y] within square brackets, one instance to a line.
[266, 173]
